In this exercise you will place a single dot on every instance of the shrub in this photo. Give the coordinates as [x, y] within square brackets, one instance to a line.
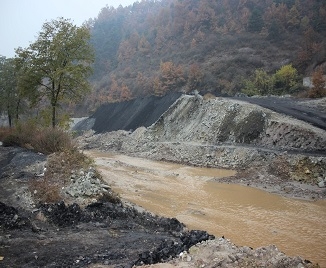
[49, 140]
[319, 85]
[59, 167]
[45, 191]
[286, 80]
[5, 132]
[12, 140]
[43, 140]
[260, 83]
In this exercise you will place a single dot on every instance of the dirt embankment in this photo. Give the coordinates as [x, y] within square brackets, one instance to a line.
[271, 151]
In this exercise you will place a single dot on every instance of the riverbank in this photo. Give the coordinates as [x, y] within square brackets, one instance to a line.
[283, 173]
[101, 234]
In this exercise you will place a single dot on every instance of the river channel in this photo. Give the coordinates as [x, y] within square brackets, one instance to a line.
[245, 215]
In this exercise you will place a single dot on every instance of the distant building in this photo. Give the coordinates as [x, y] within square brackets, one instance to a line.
[307, 81]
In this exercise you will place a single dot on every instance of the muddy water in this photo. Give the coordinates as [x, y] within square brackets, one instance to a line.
[246, 215]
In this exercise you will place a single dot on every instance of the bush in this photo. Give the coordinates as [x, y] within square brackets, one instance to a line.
[45, 191]
[5, 132]
[51, 140]
[12, 140]
[43, 140]
[59, 168]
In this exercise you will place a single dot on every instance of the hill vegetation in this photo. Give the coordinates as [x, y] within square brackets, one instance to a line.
[153, 47]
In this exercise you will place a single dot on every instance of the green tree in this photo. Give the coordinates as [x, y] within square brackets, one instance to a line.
[256, 22]
[286, 79]
[10, 96]
[57, 64]
[260, 83]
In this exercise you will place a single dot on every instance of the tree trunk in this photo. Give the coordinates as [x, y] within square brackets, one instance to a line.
[9, 120]
[17, 109]
[53, 116]
[9, 116]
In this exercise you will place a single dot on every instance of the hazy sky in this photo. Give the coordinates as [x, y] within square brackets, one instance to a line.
[22, 20]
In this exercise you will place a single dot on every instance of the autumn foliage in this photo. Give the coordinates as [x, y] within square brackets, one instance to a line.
[154, 47]
[318, 89]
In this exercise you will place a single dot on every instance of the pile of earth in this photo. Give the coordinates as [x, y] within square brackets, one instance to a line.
[56, 235]
[222, 252]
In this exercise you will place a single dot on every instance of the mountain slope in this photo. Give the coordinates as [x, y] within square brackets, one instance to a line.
[154, 47]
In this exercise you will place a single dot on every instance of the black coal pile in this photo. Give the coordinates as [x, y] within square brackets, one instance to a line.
[107, 213]
[10, 218]
[130, 115]
[168, 249]
[60, 235]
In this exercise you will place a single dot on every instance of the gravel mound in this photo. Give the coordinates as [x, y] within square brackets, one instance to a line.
[222, 253]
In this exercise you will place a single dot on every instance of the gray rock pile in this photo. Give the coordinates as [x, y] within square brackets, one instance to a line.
[86, 184]
[222, 253]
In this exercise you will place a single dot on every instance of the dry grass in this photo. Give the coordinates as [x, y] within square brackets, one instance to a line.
[280, 168]
[40, 139]
[45, 190]
[60, 167]
[5, 132]
[64, 158]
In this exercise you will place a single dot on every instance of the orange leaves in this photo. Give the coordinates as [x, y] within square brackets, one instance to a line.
[172, 76]
[319, 84]
[195, 77]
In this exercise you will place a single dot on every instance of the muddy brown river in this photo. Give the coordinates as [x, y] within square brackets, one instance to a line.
[245, 215]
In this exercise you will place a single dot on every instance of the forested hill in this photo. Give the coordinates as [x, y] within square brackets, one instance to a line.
[152, 46]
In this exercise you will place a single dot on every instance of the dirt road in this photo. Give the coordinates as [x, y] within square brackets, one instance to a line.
[292, 107]
[245, 215]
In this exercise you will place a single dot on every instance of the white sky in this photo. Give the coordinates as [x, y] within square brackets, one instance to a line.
[22, 20]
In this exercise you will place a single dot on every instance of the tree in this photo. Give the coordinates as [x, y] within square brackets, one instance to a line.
[195, 77]
[57, 64]
[125, 93]
[10, 96]
[260, 83]
[286, 79]
[255, 23]
[319, 84]
[172, 76]
[293, 17]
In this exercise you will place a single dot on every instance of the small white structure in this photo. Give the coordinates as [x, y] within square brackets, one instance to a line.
[307, 81]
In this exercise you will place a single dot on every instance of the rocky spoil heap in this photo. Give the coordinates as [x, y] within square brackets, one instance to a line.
[219, 120]
[222, 253]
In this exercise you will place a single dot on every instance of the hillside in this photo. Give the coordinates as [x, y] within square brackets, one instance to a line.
[154, 47]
